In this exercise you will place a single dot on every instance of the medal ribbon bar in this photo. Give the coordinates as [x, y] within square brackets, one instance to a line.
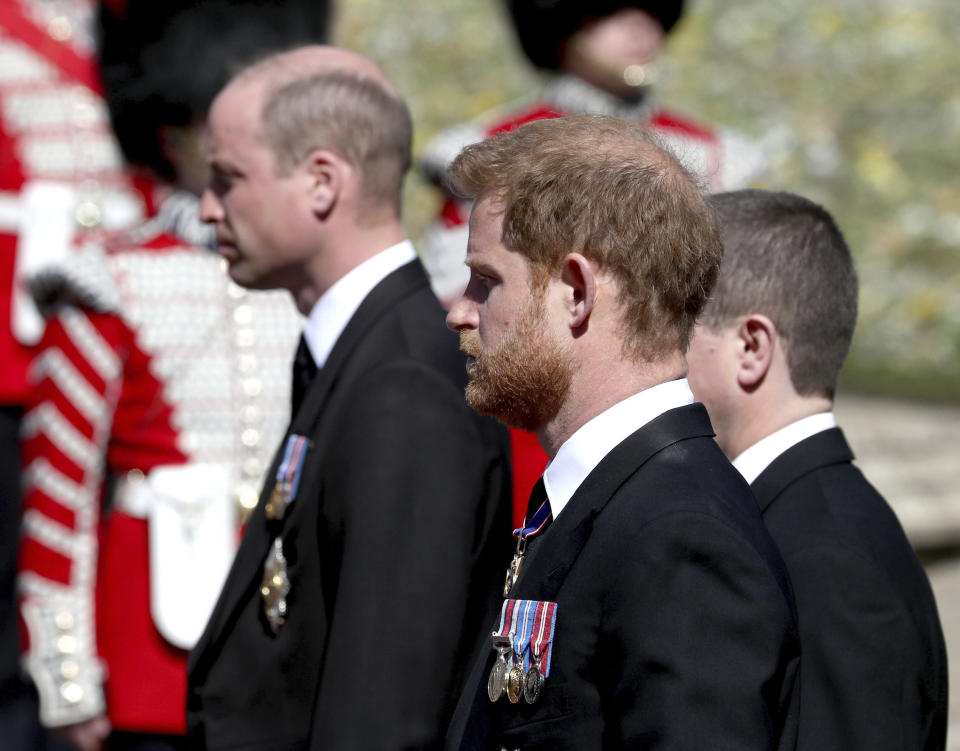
[288, 477]
[288, 474]
[521, 639]
[530, 626]
[541, 643]
[506, 617]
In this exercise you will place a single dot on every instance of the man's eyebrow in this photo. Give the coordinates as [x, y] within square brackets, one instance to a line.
[478, 266]
[222, 167]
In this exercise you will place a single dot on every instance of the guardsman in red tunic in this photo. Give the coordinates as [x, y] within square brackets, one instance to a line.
[62, 180]
[61, 173]
[159, 392]
[603, 57]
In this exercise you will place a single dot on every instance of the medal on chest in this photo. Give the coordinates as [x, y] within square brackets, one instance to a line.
[275, 585]
[497, 683]
[513, 572]
[524, 645]
[535, 526]
[288, 477]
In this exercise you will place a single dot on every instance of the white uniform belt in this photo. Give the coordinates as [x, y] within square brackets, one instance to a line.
[9, 212]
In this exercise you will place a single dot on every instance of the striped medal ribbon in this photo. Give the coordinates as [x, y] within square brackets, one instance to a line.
[288, 477]
[526, 629]
[535, 526]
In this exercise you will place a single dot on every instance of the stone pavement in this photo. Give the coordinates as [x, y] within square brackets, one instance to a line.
[911, 453]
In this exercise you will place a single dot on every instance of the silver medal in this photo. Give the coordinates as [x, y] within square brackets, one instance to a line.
[533, 681]
[275, 586]
[532, 685]
[497, 682]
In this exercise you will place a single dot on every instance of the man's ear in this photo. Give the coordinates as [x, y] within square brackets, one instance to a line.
[580, 289]
[325, 172]
[756, 341]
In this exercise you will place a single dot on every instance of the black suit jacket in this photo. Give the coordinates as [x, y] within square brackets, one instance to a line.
[394, 543]
[874, 664]
[675, 625]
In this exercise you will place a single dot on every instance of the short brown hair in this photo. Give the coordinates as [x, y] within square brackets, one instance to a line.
[345, 112]
[786, 259]
[601, 187]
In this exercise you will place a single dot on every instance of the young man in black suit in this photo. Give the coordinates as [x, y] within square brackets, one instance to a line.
[764, 360]
[379, 532]
[646, 606]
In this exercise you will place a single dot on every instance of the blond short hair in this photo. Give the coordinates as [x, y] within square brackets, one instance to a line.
[345, 112]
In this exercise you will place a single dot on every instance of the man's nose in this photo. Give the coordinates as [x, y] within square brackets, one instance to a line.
[462, 315]
[210, 207]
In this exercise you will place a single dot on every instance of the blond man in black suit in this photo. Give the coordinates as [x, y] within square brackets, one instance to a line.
[369, 564]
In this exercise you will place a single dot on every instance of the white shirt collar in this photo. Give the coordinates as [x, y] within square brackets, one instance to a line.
[333, 311]
[584, 450]
[760, 455]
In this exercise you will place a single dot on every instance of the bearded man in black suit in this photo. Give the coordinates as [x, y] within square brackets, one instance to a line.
[646, 606]
[378, 534]
[765, 359]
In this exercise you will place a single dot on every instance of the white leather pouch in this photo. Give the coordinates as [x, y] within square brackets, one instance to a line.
[192, 544]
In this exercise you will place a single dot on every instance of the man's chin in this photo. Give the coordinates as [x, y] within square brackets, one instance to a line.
[241, 274]
[478, 398]
[513, 415]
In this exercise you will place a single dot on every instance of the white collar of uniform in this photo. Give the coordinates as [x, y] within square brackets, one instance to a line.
[751, 462]
[582, 452]
[333, 311]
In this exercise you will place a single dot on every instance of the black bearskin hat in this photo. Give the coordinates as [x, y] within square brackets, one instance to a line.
[162, 62]
[543, 26]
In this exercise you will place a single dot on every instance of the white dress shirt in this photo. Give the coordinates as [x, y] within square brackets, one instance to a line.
[582, 452]
[333, 311]
[751, 462]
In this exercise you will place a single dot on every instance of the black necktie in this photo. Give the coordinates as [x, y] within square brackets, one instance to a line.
[304, 371]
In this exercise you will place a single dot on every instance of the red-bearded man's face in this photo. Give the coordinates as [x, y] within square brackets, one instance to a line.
[519, 372]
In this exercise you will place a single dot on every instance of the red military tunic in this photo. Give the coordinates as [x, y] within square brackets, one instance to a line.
[154, 367]
[56, 146]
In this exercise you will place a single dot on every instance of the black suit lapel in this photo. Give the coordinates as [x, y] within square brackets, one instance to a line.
[553, 554]
[381, 301]
[819, 450]
[248, 563]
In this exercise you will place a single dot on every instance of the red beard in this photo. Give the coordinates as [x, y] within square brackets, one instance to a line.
[524, 379]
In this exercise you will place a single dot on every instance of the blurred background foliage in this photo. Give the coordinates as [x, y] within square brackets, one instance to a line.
[856, 103]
